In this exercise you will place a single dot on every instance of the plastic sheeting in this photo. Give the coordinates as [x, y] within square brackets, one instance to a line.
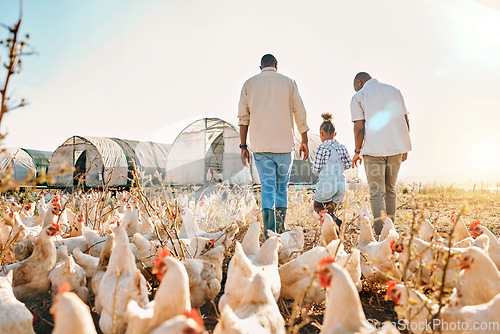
[206, 151]
[21, 163]
[106, 161]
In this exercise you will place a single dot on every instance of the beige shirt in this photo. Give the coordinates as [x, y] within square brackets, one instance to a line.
[269, 103]
[383, 109]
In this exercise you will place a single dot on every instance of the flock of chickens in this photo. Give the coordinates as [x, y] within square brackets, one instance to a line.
[76, 249]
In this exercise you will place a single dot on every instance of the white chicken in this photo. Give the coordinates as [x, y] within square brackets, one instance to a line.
[494, 245]
[377, 260]
[292, 243]
[31, 276]
[297, 276]
[485, 314]
[478, 281]
[257, 312]
[241, 271]
[205, 276]
[416, 308]
[343, 312]
[70, 314]
[16, 318]
[172, 297]
[68, 271]
[121, 283]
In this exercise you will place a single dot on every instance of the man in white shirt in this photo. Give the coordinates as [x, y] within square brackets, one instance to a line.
[382, 137]
[269, 105]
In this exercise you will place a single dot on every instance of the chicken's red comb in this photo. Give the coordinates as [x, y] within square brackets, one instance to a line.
[65, 287]
[392, 244]
[212, 241]
[322, 212]
[390, 285]
[56, 225]
[474, 224]
[57, 205]
[195, 315]
[324, 261]
[164, 252]
[56, 198]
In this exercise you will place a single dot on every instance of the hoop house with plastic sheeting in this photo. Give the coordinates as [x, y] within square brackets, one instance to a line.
[24, 162]
[207, 151]
[98, 161]
[101, 161]
[147, 157]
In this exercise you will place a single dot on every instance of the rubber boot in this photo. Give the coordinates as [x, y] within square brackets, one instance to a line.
[280, 220]
[269, 221]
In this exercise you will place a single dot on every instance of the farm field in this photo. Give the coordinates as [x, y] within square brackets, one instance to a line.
[436, 203]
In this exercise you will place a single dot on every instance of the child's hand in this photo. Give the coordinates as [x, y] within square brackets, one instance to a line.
[356, 160]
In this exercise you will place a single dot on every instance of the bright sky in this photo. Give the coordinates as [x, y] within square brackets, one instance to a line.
[144, 69]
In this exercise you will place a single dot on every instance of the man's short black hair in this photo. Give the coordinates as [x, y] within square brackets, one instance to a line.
[268, 61]
[362, 76]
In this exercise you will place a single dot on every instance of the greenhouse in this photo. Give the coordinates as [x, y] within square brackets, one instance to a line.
[100, 162]
[206, 151]
[24, 162]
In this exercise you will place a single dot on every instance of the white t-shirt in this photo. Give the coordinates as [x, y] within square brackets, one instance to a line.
[383, 109]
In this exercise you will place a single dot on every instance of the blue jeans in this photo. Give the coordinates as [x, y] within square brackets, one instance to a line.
[274, 173]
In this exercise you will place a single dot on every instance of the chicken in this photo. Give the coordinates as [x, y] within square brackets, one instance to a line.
[190, 229]
[250, 243]
[31, 276]
[377, 260]
[363, 210]
[121, 283]
[416, 307]
[76, 223]
[494, 245]
[146, 250]
[461, 231]
[186, 323]
[88, 263]
[343, 312]
[95, 243]
[292, 243]
[70, 272]
[387, 228]
[97, 275]
[15, 317]
[257, 312]
[192, 247]
[205, 276]
[478, 281]
[172, 297]
[70, 314]
[130, 220]
[470, 316]
[297, 276]
[23, 250]
[241, 271]
[427, 232]
[52, 213]
[329, 229]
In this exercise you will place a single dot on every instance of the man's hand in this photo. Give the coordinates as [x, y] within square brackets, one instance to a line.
[304, 151]
[404, 157]
[356, 160]
[245, 157]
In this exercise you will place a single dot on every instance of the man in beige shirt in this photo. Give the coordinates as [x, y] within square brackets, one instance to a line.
[269, 104]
